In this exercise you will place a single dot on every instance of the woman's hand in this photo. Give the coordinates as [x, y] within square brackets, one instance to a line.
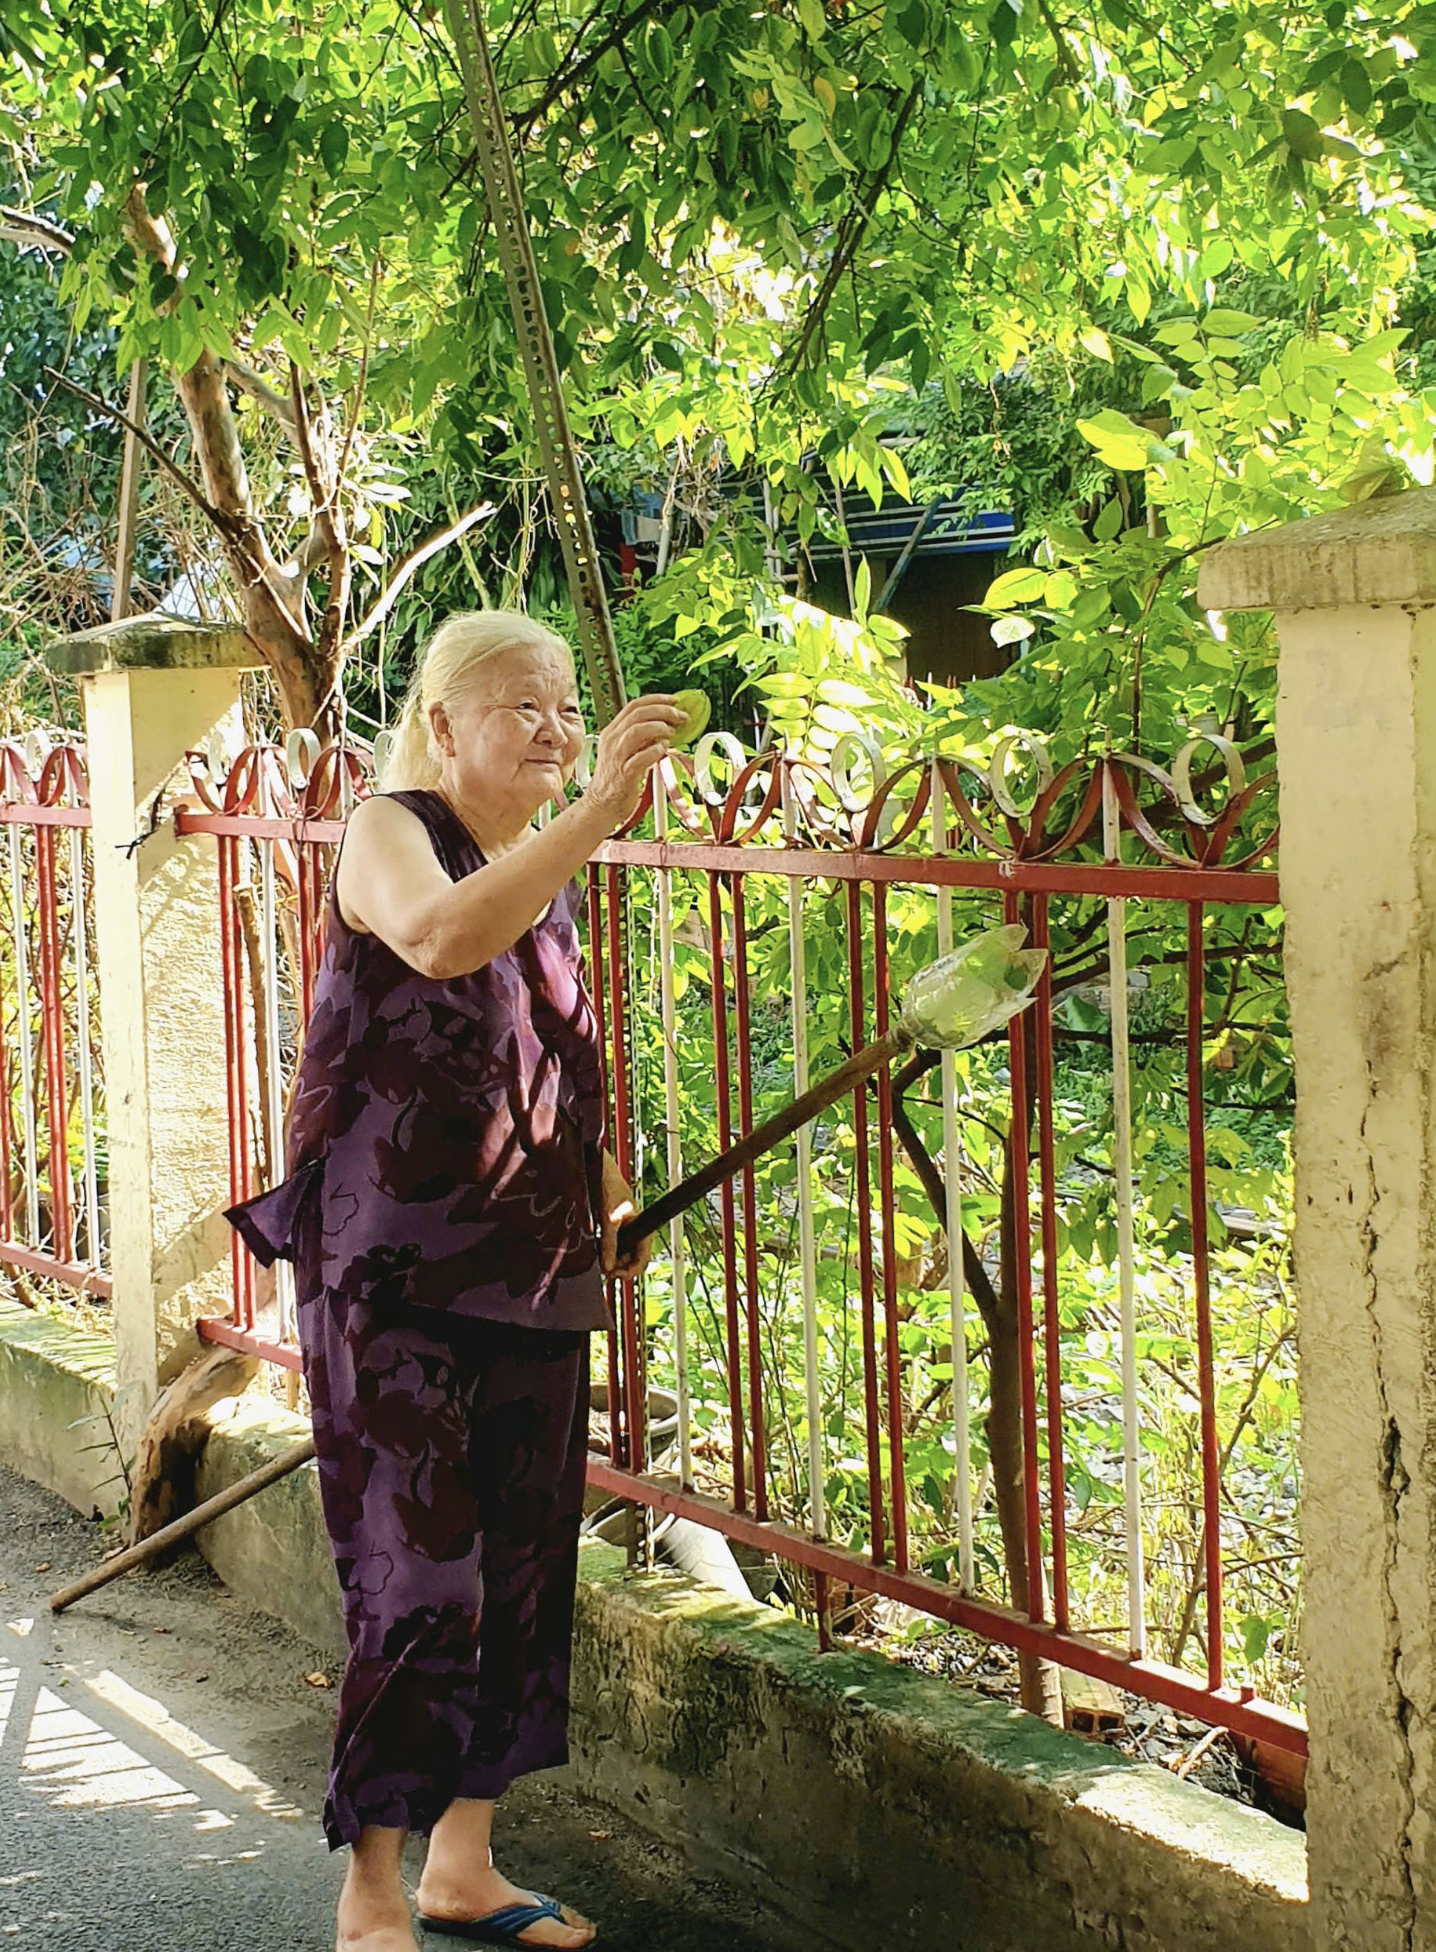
[629, 747]
[618, 1206]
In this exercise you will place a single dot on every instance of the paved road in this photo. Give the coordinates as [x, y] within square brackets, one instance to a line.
[162, 1763]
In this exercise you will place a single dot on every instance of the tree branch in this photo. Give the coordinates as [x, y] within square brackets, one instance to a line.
[853, 236]
[33, 233]
[259, 389]
[328, 526]
[206, 508]
[566, 78]
[343, 465]
[410, 567]
[975, 1275]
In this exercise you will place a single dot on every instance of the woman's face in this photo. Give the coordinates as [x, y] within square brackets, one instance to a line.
[510, 742]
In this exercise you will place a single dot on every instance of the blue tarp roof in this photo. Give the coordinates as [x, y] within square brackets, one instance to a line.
[950, 531]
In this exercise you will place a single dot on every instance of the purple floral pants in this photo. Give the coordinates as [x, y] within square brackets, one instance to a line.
[451, 1465]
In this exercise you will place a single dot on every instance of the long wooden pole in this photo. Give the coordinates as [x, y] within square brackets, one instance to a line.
[138, 1555]
[567, 496]
[129, 503]
[827, 1091]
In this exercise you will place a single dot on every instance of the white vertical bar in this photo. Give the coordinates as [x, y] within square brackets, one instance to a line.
[273, 1084]
[1122, 1165]
[807, 1243]
[82, 1036]
[27, 1066]
[952, 1178]
[675, 1147]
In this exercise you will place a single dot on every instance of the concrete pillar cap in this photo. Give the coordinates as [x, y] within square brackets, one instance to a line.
[1381, 551]
[153, 643]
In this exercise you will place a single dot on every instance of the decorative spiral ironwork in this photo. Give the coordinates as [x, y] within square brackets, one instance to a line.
[1013, 804]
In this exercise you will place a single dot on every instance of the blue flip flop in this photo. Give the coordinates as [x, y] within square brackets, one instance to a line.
[502, 1927]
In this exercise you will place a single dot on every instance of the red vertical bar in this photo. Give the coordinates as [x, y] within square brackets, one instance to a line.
[750, 1198]
[1051, 1316]
[1206, 1365]
[1022, 1273]
[7, 1136]
[863, 1189]
[725, 1194]
[595, 951]
[231, 966]
[891, 1345]
[53, 1019]
[623, 1152]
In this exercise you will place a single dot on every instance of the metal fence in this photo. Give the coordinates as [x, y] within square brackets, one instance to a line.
[52, 1214]
[751, 924]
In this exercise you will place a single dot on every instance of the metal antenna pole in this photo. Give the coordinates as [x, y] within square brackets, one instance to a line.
[560, 462]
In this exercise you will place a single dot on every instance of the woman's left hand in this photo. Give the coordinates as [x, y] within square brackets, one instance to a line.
[618, 1206]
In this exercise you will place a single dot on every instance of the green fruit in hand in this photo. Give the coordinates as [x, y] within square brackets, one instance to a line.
[697, 710]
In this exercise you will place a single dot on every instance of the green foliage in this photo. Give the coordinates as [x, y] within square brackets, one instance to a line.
[755, 229]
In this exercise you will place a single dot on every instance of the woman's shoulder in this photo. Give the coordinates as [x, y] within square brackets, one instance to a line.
[400, 808]
[406, 819]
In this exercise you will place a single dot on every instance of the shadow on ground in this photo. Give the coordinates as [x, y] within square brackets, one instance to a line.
[162, 1759]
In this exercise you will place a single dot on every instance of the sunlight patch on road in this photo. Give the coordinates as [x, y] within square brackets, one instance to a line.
[79, 1765]
[9, 1681]
[154, 1716]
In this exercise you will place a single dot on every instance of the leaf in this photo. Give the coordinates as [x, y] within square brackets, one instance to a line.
[334, 146]
[912, 24]
[1119, 442]
[862, 590]
[1230, 325]
[1255, 1633]
[815, 21]
[1095, 341]
[1015, 586]
[1356, 86]
[837, 691]
[1177, 332]
[1002, 24]
[1012, 630]
[1302, 135]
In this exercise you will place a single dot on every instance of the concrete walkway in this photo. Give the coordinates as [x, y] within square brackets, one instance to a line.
[162, 1761]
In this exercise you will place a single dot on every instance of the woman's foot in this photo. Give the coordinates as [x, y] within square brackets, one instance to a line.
[447, 1892]
[373, 1911]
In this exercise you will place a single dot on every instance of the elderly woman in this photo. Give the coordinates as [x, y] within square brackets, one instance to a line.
[451, 1216]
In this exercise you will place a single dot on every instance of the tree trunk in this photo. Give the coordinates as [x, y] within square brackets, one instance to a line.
[271, 594]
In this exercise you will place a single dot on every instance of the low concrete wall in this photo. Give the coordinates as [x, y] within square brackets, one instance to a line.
[51, 1377]
[888, 1806]
[869, 1800]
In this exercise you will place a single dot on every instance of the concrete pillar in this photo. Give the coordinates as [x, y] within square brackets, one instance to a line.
[1354, 597]
[154, 688]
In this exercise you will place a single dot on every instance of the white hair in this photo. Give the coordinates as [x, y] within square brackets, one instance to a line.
[451, 665]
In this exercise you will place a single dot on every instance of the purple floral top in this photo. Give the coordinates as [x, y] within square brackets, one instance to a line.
[445, 1139]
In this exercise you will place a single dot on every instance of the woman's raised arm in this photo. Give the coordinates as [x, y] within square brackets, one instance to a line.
[390, 883]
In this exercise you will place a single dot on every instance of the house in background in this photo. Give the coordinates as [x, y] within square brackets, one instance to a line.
[927, 564]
